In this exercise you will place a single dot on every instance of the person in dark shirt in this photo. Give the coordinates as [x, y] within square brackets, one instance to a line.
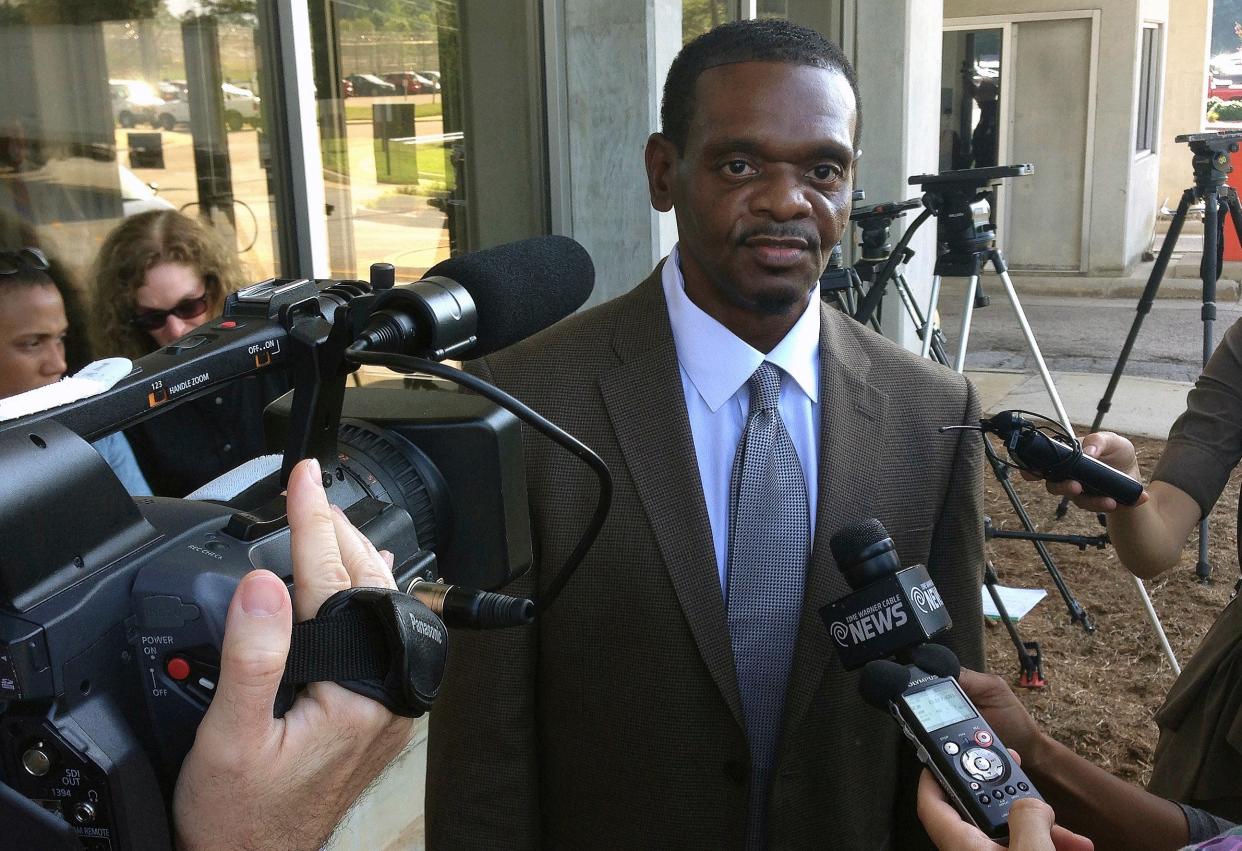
[160, 275]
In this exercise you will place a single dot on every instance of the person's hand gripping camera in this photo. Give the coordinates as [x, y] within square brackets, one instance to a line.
[254, 781]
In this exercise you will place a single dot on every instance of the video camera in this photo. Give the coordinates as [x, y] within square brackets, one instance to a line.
[112, 609]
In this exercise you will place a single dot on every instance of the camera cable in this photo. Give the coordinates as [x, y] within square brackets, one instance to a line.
[407, 363]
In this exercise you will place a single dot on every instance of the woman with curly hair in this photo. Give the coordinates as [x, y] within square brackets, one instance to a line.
[158, 276]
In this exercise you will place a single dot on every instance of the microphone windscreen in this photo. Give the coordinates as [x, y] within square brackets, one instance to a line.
[881, 681]
[521, 287]
[850, 541]
[936, 659]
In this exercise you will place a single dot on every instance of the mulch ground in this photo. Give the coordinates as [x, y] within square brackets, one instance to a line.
[1105, 687]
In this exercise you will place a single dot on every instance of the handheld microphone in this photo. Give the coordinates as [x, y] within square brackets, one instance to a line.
[949, 734]
[470, 306]
[890, 609]
[1058, 457]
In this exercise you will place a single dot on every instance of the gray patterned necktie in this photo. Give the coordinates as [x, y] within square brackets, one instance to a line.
[769, 540]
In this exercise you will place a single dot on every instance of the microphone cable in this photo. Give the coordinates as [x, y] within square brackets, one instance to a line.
[407, 363]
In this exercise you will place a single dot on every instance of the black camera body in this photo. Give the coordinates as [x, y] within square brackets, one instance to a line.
[112, 609]
[960, 200]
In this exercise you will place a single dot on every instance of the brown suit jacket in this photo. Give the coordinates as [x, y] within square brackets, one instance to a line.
[615, 721]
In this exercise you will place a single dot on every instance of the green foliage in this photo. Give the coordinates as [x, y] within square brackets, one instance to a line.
[1229, 110]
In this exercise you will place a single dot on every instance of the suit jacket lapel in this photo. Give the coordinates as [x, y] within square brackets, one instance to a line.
[645, 403]
[850, 456]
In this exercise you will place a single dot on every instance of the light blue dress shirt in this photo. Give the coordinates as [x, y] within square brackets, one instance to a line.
[715, 366]
[116, 450]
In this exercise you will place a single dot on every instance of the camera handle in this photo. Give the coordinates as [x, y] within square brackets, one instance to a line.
[317, 351]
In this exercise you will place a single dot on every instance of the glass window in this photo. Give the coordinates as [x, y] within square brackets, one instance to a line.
[114, 108]
[699, 16]
[1148, 93]
[388, 84]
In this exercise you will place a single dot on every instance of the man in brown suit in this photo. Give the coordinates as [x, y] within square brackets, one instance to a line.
[616, 721]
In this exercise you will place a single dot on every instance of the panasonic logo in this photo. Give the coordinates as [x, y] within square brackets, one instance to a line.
[427, 629]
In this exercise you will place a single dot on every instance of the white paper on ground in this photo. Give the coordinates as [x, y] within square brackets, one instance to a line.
[1018, 601]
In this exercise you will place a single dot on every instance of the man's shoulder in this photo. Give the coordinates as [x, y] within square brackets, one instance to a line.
[583, 343]
[891, 368]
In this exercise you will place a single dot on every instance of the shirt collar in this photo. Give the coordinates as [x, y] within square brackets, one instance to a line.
[717, 361]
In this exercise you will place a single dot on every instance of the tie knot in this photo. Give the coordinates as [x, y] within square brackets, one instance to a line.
[765, 387]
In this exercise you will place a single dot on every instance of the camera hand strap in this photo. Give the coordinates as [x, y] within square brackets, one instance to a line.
[378, 642]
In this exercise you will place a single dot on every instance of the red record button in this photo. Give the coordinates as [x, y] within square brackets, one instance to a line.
[177, 668]
[228, 323]
[982, 737]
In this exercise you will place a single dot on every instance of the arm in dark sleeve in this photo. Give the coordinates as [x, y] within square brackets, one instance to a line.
[1205, 442]
[955, 564]
[956, 559]
[482, 770]
[1202, 825]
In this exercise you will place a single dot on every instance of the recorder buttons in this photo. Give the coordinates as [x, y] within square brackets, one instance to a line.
[983, 737]
[982, 765]
[951, 748]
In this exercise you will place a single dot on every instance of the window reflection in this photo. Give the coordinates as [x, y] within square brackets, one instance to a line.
[113, 108]
[388, 81]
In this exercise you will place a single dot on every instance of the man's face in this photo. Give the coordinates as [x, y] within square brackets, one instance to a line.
[762, 190]
[32, 338]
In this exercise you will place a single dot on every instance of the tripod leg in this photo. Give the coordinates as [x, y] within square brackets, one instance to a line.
[1030, 668]
[1076, 611]
[1145, 302]
[1144, 307]
[1214, 209]
[1156, 625]
[968, 310]
[932, 304]
[998, 262]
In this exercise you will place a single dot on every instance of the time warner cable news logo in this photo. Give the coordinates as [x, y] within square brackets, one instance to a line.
[884, 616]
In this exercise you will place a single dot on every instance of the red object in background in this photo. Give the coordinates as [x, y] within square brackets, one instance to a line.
[1233, 251]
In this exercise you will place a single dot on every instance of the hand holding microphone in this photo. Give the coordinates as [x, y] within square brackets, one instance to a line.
[1109, 449]
[893, 612]
[1101, 469]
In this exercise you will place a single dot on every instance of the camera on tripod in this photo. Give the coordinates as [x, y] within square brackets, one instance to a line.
[112, 609]
[961, 202]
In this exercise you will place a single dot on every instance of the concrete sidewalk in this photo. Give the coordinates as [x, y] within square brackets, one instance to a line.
[1141, 406]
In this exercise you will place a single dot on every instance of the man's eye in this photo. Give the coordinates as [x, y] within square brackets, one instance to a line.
[738, 168]
[826, 171]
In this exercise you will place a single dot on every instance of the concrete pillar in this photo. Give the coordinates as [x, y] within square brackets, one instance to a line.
[614, 55]
[896, 51]
[1185, 93]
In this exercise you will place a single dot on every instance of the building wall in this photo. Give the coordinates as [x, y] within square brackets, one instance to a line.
[1185, 92]
[1122, 191]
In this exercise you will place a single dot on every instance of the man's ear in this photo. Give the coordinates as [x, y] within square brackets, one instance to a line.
[661, 159]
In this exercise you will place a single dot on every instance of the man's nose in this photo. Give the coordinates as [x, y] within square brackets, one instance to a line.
[54, 363]
[783, 195]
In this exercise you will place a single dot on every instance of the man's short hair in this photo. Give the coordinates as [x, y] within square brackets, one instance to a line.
[761, 40]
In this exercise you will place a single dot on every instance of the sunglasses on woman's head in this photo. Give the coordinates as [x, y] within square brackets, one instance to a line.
[25, 259]
[153, 320]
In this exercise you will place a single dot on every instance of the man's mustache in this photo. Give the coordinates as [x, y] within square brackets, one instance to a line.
[782, 231]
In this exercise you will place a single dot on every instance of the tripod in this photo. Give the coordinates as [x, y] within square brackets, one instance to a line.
[966, 242]
[879, 263]
[1210, 163]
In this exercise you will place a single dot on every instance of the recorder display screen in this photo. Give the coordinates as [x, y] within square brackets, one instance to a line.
[939, 706]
